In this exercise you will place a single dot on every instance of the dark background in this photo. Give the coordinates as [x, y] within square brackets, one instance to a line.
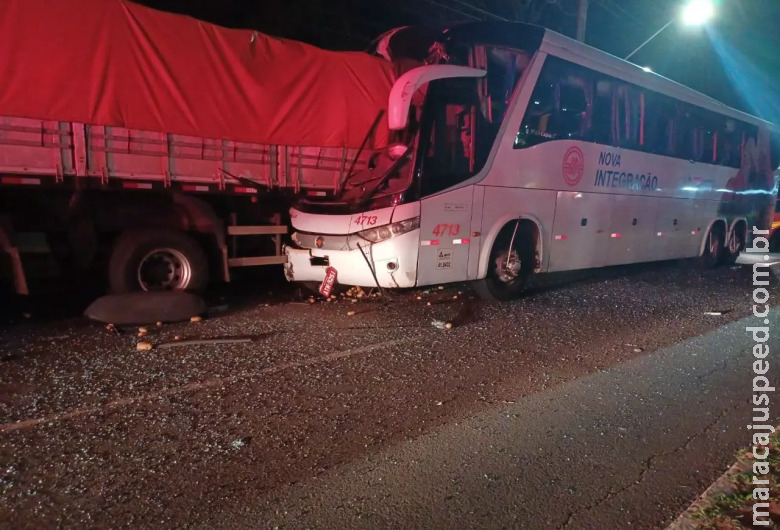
[735, 58]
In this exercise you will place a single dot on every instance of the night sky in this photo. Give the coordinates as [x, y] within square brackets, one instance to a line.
[735, 58]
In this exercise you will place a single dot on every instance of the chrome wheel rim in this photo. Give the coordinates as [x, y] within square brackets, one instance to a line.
[713, 244]
[508, 266]
[164, 269]
[734, 244]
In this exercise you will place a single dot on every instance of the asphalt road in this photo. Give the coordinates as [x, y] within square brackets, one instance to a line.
[607, 402]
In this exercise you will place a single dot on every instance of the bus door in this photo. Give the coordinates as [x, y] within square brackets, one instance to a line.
[445, 237]
[457, 137]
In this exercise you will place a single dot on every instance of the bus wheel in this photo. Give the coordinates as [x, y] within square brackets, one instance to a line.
[735, 246]
[157, 261]
[713, 247]
[512, 261]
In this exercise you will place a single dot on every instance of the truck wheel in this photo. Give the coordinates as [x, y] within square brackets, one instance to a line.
[157, 261]
[508, 269]
[713, 248]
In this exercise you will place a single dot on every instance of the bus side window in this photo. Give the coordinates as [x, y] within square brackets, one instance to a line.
[659, 125]
[628, 116]
[704, 136]
[774, 153]
[601, 124]
[535, 126]
[560, 105]
[728, 144]
[684, 139]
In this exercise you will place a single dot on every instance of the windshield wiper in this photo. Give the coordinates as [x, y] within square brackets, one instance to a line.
[360, 151]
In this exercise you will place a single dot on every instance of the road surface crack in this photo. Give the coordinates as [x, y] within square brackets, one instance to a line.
[646, 467]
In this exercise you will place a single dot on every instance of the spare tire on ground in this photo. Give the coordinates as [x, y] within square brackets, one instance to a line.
[146, 307]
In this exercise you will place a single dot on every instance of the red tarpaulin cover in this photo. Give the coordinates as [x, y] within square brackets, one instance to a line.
[112, 62]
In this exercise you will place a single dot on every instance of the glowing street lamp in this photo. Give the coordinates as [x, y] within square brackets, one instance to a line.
[694, 13]
[698, 12]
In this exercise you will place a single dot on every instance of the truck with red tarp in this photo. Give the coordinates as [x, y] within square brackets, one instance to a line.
[157, 151]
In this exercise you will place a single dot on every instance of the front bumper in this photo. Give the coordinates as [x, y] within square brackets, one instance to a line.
[394, 262]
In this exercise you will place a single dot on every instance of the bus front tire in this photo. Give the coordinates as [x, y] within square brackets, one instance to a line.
[508, 269]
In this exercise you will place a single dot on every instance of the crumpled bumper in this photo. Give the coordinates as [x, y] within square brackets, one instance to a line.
[394, 262]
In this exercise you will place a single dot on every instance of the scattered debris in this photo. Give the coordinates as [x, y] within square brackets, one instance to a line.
[715, 313]
[159, 324]
[143, 330]
[419, 297]
[638, 350]
[143, 346]
[350, 313]
[177, 337]
[455, 297]
[241, 442]
[441, 324]
[441, 287]
[198, 342]
[196, 319]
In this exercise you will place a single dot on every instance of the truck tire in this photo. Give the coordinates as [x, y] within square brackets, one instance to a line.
[151, 260]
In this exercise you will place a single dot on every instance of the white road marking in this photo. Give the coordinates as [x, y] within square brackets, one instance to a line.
[210, 383]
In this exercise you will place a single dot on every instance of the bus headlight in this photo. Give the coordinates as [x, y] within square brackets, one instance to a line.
[381, 233]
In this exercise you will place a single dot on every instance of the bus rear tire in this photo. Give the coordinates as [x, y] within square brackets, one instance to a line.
[508, 270]
[736, 245]
[711, 257]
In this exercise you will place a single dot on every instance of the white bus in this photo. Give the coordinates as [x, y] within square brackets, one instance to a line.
[519, 151]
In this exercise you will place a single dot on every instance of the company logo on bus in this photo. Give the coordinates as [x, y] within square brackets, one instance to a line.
[573, 166]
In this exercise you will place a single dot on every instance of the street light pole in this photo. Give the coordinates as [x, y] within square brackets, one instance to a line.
[582, 20]
[654, 35]
[695, 13]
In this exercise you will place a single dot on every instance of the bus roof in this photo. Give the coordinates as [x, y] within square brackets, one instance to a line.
[532, 37]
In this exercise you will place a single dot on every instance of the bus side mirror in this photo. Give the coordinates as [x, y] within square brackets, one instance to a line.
[406, 85]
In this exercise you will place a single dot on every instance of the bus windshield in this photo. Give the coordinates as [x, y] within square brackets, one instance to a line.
[453, 124]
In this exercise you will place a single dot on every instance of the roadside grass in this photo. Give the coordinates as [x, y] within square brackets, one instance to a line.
[733, 509]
